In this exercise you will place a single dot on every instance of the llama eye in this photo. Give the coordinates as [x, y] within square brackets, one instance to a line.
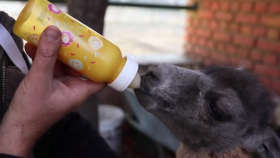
[263, 148]
[214, 111]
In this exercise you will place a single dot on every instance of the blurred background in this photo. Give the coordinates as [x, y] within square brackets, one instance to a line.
[189, 33]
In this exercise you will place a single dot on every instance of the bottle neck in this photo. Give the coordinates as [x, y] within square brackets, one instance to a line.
[118, 70]
[126, 75]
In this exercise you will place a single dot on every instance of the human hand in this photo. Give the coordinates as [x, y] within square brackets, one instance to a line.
[48, 92]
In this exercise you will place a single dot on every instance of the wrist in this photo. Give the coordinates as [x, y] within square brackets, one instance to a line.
[16, 138]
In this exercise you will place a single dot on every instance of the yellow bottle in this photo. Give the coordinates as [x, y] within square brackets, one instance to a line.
[82, 48]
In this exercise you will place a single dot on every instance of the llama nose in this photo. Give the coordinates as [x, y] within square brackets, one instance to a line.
[154, 72]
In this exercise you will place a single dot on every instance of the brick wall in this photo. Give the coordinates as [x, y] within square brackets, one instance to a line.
[237, 32]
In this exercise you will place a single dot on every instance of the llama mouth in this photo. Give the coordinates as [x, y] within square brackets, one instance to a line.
[144, 98]
[145, 84]
[148, 82]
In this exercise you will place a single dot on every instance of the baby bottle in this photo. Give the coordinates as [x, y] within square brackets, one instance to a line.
[82, 48]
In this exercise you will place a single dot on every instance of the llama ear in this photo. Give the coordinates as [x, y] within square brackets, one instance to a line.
[263, 144]
[240, 68]
[277, 115]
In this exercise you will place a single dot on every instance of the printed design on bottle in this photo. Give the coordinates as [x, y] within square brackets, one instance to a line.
[54, 9]
[95, 43]
[76, 64]
[34, 39]
[67, 38]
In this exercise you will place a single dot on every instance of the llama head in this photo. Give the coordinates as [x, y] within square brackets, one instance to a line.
[216, 109]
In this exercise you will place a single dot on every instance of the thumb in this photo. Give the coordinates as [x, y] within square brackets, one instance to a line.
[46, 55]
[81, 89]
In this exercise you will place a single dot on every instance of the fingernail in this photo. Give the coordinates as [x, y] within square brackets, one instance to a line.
[52, 34]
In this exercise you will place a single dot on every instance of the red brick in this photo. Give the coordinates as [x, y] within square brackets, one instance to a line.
[224, 16]
[265, 81]
[246, 29]
[247, 6]
[202, 42]
[231, 49]
[259, 31]
[205, 23]
[273, 34]
[189, 3]
[196, 22]
[234, 27]
[234, 6]
[206, 14]
[195, 48]
[225, 6]
[247, 18]
[220, 58]
[241, 62]
[224, 25]
[222, 36]
[274, 8]
[195, 40]
[221, 46]
[210, 44]
[243, 52]
[199, 41]
[210, 53]
[256, 55]
[271, 20]
[202, 52]
[247, 63]
[260, 7]
[276, 86]
[203, 33]
[206, 4]
[207, 62]
[234, 61]
[191, 30]
[270, 58]
[269, 45]
[190, 54]
[192, 49]
[194, 56]
[188, 17]
[190, 21]
[215, 5]
[267, 70]
[188, 38]
[245, 41]
[214, 25]
[189, 48]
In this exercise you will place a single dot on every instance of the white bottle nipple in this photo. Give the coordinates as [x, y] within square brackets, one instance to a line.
[136, 82]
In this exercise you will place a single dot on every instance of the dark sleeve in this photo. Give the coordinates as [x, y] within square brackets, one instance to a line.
[73, 137]
[8, 156]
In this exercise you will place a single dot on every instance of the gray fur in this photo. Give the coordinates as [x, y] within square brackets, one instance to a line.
[179, 98]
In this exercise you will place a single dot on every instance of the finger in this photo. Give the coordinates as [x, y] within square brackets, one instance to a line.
[71, 72]
[58, 69]
[82, 89]
[61, 70]
[46, 55]
[86, 88]
[92, 87]
[59, 66]
[30, 50]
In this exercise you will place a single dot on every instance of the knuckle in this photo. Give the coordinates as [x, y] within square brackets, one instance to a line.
[47, 53]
